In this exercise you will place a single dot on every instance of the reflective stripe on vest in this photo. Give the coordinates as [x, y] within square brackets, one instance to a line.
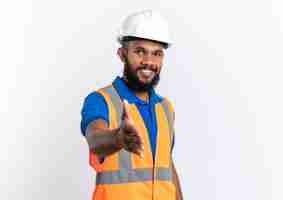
[124, 156]
[125, 172]
[136, 175]
[170, 118]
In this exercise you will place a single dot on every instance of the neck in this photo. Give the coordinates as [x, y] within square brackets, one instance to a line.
[142, 95]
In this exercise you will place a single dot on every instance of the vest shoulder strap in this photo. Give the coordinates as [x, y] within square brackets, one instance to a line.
[170, 115]
[114, 99]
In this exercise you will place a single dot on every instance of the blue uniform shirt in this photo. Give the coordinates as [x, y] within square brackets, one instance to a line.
[95, 107]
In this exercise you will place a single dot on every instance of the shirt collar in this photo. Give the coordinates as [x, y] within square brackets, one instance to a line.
[126, 93]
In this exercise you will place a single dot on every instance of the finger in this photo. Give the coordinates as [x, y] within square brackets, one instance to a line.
[134, 139]
[136, 147]
[130, 127]
[138, 140]
[133, 148]
[140, 154]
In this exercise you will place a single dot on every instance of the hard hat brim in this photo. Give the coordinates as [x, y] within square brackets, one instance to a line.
[132, 38]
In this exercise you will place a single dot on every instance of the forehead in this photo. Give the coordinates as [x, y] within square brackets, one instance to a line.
[146, 44]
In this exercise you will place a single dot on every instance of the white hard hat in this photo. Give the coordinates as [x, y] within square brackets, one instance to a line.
[147, 24]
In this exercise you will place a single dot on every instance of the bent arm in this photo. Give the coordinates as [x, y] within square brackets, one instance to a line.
[179, 195]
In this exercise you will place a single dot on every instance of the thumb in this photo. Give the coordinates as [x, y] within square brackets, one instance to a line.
[126, 111]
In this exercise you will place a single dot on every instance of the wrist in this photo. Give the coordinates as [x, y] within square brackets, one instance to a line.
[119, 141]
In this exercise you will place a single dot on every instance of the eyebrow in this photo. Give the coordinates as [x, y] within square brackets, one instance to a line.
[140, 47]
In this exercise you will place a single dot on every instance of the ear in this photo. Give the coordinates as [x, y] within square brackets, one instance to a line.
[121, 53]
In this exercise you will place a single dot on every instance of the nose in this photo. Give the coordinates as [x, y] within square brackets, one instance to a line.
[148, 60]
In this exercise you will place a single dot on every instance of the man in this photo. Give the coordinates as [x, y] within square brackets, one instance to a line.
[128, 127]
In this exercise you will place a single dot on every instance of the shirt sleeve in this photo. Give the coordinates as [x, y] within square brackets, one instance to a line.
[94, 107]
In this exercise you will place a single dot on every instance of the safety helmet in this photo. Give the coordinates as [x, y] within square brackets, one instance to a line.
[146, 24]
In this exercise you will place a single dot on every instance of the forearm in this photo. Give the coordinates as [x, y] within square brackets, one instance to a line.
[179, 195]
[103, 142]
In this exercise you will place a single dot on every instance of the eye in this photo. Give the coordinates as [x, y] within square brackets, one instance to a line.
[158, 53]
[140, 52]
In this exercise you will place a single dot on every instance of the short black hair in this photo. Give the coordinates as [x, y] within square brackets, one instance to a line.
[125, 41]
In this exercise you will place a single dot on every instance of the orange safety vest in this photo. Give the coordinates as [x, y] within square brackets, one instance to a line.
[126, 176]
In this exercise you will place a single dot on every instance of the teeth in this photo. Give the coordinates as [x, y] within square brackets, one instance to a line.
[146, 71]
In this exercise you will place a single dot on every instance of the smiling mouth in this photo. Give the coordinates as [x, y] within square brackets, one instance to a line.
[146, 73]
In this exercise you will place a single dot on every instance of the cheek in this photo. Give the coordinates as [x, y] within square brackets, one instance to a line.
[158, 65]
[158, 62]
[133, 60]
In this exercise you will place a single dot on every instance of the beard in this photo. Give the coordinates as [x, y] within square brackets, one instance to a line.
[132, 79]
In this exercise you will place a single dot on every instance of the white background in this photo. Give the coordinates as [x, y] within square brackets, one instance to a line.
[224, 76]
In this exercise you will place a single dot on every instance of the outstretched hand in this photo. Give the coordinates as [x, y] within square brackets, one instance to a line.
[128, 135]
